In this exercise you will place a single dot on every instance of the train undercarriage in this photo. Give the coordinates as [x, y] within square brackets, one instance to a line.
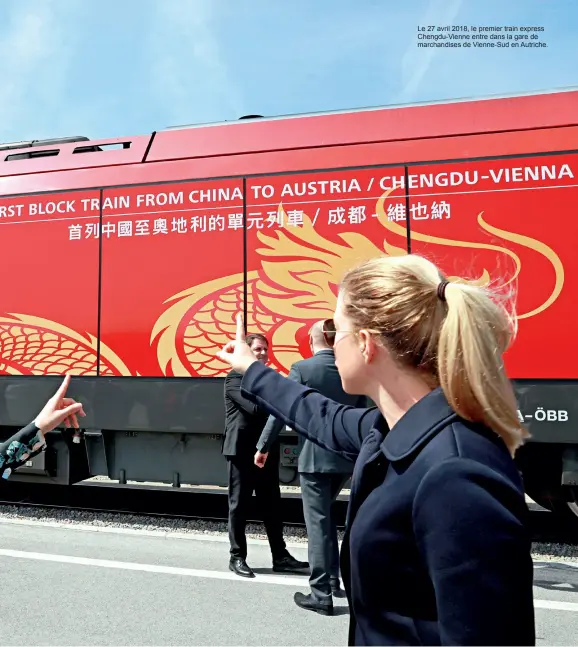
[181, 445]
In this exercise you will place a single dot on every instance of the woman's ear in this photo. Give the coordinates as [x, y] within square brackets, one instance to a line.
[366, 345]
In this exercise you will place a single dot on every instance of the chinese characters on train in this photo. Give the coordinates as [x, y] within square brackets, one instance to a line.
[337, 202]
[354, 215]
[341, 199]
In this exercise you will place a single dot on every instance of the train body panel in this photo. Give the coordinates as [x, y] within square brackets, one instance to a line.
[164, 239]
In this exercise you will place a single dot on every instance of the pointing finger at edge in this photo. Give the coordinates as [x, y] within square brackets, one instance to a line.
[62, 388]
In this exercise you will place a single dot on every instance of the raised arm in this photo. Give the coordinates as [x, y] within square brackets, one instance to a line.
[469, 525]
[336, 427]
[30, 439]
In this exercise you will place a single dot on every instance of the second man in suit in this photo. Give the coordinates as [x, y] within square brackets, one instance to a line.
[244, 422]
[322, 474]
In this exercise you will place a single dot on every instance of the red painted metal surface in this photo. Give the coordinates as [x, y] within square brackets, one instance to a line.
[514, 223]
[380, 125]
[414, 151]
[171, 234]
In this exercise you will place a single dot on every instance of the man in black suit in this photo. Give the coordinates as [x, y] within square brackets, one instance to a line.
[322, 474]
[244, 422]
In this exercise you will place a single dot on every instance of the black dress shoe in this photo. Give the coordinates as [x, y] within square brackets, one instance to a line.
[239, 566]
[289, 564]
[311, 604]
[337, 591]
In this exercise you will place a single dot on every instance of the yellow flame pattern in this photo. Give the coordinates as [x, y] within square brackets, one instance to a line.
[295, 285]
[484, 279]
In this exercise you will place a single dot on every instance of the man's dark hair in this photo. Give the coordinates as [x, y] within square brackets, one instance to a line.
[249, 339]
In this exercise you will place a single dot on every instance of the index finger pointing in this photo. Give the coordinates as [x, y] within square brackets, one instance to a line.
[240, 336]
[62, 388]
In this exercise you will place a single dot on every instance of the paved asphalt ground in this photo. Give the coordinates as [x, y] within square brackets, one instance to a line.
[77, 587]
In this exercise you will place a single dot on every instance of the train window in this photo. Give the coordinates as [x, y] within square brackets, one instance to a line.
[32, 154]
[101, 147]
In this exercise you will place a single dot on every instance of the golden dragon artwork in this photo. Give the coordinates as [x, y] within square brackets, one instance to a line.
[294, 285]
[34, 346]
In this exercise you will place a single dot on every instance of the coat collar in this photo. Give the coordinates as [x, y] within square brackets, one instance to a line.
[420, 423]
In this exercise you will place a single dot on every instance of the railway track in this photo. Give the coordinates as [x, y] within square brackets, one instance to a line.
[148, 501]
[207, 505]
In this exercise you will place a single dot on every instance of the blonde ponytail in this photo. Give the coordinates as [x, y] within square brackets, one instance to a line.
[454, 337]
[474, 335]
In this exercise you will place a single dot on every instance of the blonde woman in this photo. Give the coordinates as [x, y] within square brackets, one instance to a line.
[436, 550]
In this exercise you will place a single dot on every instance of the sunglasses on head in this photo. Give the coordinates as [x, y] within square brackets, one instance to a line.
[329, 332]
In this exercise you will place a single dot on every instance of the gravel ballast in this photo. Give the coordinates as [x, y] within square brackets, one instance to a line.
[169, 526]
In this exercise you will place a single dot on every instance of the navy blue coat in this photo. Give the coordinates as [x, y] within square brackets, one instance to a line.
[320, 373]
[436, 548]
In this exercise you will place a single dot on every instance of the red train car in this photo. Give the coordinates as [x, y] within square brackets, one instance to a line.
[124, 262]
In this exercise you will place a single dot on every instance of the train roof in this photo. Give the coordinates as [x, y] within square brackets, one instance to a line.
[392, 106]
[448, 118]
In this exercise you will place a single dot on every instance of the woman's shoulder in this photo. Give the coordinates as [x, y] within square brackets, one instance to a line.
[471, 451]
